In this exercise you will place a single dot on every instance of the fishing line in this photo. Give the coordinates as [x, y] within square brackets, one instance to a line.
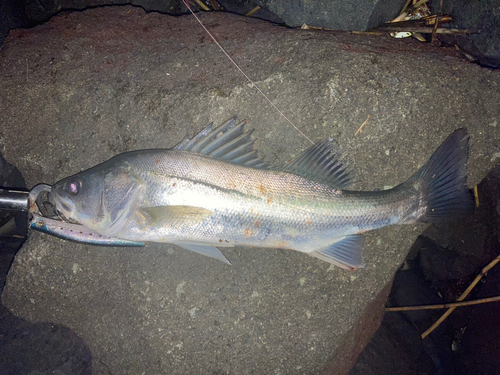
[242, 72]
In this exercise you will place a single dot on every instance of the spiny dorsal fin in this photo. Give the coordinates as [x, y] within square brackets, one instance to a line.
[228, 142]
[322, 162]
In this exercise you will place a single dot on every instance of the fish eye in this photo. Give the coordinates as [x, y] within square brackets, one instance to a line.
[74, 186]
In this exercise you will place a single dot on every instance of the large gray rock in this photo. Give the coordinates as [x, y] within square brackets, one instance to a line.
[483, 16]
[336, 14]
[86, 86]
[330, 14]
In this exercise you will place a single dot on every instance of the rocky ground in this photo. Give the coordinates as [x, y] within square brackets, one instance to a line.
[88, 85]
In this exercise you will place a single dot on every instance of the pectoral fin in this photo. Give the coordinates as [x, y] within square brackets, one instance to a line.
[209, 251]
[154, 217]
[119, 200]
[345, 253]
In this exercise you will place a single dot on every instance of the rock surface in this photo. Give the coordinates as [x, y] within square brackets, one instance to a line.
[482, 16]
[86, 86]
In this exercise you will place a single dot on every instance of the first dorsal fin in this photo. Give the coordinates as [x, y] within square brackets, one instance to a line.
[322, 162]
[228, 142]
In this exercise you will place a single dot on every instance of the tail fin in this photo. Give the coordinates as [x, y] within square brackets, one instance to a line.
[442, 181]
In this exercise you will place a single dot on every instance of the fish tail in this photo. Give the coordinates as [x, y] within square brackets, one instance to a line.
[441, 182]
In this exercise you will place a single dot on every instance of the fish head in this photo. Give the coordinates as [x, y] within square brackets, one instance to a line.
[101, 198]
[78, 197]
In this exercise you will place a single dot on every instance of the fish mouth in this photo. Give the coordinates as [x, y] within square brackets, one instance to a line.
[64, 212]
[64, 207]
[64, 216]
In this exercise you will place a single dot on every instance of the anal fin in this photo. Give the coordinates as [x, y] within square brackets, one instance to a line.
[345, 253]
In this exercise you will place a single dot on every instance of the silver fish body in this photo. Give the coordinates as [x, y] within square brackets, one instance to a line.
[213, 191]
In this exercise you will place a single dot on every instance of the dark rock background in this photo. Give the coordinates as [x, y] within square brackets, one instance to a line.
[85, 86]
[483, 47]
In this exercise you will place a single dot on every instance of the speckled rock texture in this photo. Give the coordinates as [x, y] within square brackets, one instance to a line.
[88, 85]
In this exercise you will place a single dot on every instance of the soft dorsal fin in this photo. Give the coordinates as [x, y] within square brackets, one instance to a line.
[228, 142]
[322, 162]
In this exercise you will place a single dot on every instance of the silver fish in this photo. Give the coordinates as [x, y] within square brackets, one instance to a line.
[214, 191]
